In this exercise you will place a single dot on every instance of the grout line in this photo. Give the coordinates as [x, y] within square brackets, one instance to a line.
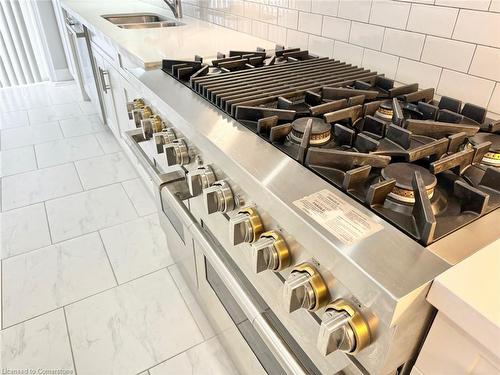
[422, 51]
[69, 340]
[107, 256]
[48, 226]
[455, 24]
[175, 355]
[472, 59]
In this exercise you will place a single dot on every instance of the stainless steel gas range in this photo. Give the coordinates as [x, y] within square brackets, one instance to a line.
[311, 203]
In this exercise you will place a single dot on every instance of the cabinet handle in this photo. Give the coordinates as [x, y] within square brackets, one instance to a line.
[105, 86]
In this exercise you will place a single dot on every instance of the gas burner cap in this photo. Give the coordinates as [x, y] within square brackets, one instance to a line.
[320, 131]
[385, 111]
[403, 174]
[492, 157]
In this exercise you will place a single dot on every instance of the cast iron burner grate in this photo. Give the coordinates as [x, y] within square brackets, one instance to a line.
[427, 167]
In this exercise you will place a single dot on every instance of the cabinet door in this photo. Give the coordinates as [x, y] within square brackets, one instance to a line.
[104, 70]
[123, 93]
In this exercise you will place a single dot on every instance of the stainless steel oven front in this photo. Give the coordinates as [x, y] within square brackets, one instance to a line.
[255, 339]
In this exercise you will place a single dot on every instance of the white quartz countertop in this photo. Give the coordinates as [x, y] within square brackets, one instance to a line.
[469, 295]
[149, 46]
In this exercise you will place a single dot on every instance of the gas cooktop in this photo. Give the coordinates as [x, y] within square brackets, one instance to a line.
[428, 167]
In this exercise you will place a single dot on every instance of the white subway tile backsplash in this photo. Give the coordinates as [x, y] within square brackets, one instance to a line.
[251, 10]
[325, 7]
[403, 43]
[336, 28]
[478, 27]
[389, 13]
[495, 6]
[366, 35]
[320, 46]
[486, 63]
[358, 10]
[260, 29]
[410, 71]
[237, 7]
[310, 23]
[411, 40]
[432, 20]
[448, 53]
[288, 18]
[268, 14]
[348, 53]
[297, 39]
[277, 34]
[381, 62]
[468, 88]
[303, 5]
[495, 100]
[467, 4]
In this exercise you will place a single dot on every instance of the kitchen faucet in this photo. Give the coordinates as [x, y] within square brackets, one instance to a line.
[175, 6]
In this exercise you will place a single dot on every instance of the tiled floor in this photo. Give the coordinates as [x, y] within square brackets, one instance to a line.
[87, 282]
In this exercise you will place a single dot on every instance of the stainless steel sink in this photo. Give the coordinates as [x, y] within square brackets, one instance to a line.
[140, 20]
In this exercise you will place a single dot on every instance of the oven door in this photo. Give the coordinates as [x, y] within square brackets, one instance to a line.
[241, 319]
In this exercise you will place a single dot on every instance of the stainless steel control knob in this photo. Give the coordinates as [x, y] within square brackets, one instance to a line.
[140, 114]
[343, 328]
[245, 226]
[177, 152]
[200, 179]
[163, 138]
[219, 198]
[270, 252]
[151, 125]
[137, 103]
[305, 288]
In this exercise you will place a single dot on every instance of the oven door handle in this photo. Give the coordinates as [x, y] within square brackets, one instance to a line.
[276, 344]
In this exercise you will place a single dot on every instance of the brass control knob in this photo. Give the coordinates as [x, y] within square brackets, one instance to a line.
[137, 103]
[270, 252]
[177, 153]
[199, 179]
[151, 125]
[141, 113]
[343, 328]
[245, 226]
[305, 288]
[163, 138]
[219, 198]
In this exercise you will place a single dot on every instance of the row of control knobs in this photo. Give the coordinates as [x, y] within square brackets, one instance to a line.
[343, 327]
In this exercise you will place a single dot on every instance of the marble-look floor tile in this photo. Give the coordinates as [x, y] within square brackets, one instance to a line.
[38, 344]
[130, 328]
[88, 108]
[45, 279]
[30, 135]
[88, 211]
[139, 195]
[40, 185]
[24, 229]
[18, 160]
[54, 112]
[136, 248]
[66, 150]
[61, 94]
[105, 170]
[207, 358]
[108, 142]
[81, 125]
[191, 302]
[13, 119]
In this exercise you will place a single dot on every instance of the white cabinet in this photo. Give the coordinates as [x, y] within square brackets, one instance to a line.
[104, 71]
[450, 350]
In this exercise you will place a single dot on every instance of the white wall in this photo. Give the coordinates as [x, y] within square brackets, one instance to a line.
[452, 45]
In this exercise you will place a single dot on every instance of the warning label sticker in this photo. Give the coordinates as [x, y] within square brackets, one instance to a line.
[337, 216]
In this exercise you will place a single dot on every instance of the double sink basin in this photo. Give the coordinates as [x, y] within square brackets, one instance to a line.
[141, 20]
